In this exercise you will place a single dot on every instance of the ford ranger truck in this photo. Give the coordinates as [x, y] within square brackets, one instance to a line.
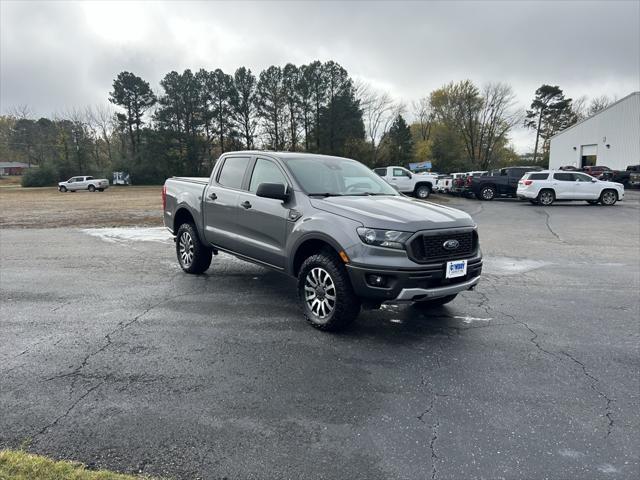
[349, 238]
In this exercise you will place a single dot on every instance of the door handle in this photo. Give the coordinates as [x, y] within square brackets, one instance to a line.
[213, 196]
[246, 204]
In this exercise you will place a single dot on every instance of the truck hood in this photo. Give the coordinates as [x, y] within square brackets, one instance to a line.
[394, 212]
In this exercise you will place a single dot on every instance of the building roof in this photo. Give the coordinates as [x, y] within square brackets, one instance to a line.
[13, 165]
[596, 114]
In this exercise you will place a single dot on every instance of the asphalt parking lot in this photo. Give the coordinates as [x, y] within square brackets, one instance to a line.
[111, 356]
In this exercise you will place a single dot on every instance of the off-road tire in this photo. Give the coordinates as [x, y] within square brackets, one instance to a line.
[487, 193]
[608, 197]
[347, 304]
[436, 302]
[198, 258]
[422, 192]
[92, 188]
[546, 197]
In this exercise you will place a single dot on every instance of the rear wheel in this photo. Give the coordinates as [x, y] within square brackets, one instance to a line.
[436, 302]
[487, 193]
[423, 192]
[546, 197]
[92, 188]
[193, 256]
[608, 197]
[327, 298]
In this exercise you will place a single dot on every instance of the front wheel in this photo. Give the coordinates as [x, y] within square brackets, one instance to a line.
[328, 300]
[423, 192]
[92, 188]
[436, 302]
[193, 256]
[608, 198]
[63, 189]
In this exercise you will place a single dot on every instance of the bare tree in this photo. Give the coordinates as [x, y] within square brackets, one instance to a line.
[497, 117]
[379, 110]
[424, 116]
[101, 120]
[20, 112]
[599, 103]
[482, 118]
[579, 107]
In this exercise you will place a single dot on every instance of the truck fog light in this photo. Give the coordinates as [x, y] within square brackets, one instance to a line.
[377, 280]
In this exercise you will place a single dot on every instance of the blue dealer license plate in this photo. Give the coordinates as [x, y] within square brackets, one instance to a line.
[457, 268]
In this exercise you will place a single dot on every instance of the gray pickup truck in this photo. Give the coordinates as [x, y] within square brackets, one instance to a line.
[348, 237]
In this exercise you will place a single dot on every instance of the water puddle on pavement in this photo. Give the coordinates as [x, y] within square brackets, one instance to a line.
[130, 234]
[511, 266]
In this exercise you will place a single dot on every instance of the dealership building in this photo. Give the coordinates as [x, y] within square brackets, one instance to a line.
[611, 138]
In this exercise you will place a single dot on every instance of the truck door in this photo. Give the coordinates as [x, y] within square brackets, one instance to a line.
[262, 222]
[220, 202]
[401, 179]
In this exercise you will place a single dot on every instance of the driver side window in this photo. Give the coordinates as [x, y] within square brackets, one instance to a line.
[399, 172]
[265, 171]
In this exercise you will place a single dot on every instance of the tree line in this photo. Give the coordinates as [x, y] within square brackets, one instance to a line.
[317, 107]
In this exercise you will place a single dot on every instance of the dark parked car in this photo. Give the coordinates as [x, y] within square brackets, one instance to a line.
[347, 236]
[499, 183]
[623, 176]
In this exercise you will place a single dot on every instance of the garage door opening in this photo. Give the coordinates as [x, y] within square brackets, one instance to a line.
[588, 155]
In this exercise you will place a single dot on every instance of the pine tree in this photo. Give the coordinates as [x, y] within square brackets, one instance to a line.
[400, 142]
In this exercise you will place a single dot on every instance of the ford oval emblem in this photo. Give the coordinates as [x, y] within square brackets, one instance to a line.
[451, 244]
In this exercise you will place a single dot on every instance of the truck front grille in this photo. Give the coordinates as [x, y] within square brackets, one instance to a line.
[427, 248]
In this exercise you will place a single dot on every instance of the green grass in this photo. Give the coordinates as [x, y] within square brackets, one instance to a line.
[19, 465]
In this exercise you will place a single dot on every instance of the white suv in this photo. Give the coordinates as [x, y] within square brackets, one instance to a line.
[547, 186]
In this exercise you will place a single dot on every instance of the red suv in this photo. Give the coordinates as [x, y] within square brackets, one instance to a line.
[596, 170]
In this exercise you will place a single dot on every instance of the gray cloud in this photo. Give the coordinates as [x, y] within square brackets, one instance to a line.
[59, 55]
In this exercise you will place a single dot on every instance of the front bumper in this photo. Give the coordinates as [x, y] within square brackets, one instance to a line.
[408, 285]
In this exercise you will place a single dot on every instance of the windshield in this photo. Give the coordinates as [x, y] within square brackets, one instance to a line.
[331, 176]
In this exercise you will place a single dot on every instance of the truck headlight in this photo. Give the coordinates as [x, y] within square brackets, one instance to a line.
[383, 238]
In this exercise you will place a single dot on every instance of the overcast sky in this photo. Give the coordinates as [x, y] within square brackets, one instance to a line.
[58, 55]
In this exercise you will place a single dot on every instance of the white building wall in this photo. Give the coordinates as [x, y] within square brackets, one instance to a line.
[617, 126]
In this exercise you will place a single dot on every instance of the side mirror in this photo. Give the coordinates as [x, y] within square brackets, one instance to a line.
[410, 175]
[593, 180]
[277, 191]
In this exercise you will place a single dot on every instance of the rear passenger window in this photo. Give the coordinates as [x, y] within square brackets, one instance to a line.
[381, 171]
[265, 171]
[563, 177]
[538, 176]
[232, 172]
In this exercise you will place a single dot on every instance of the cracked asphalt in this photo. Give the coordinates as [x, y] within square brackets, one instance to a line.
[111, 356]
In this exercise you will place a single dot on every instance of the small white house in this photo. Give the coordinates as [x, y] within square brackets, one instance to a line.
[611, 138]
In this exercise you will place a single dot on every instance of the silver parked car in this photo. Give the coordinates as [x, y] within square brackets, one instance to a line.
[84, 183]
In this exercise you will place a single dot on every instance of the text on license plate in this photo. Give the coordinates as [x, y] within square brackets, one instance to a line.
[456, 268]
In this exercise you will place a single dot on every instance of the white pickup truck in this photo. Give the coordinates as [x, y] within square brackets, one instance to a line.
[417, 184]
[84, 183]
